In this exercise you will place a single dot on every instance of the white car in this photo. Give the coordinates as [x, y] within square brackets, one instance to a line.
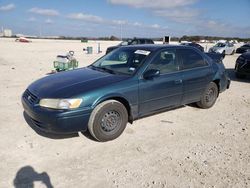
[223, 48]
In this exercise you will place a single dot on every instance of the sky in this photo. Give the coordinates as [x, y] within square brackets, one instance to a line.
[127, 18]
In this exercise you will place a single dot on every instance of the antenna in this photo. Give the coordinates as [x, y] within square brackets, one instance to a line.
[40, 31]
[121, 31]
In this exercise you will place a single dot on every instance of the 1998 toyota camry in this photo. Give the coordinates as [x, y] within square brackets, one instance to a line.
[122, 86]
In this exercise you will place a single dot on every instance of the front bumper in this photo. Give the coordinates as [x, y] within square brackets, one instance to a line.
[215, 51]
[56, 121]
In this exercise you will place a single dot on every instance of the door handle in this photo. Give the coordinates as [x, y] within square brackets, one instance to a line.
[178, 81]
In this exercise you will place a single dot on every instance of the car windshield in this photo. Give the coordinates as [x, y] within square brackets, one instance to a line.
[220, 45]
[121, 61]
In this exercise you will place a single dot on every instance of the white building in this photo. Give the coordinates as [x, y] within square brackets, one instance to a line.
[7, 33]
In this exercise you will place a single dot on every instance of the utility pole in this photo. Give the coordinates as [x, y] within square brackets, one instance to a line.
[121, 31]
[40, 31]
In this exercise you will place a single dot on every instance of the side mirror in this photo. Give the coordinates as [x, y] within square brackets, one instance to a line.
[149, 74]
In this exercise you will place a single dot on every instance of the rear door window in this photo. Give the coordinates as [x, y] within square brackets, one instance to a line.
[190, 59]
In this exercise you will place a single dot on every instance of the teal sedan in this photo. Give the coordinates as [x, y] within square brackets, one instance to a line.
[127, 84]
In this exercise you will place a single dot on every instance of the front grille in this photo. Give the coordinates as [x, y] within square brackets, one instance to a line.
[31, 98]
[37, 123]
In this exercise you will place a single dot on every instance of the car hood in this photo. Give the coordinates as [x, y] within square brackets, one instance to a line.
[72, 83]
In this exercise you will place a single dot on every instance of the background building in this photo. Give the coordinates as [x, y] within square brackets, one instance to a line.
[7, 33]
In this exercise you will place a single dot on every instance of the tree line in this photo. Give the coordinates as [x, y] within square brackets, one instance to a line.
[195, 38]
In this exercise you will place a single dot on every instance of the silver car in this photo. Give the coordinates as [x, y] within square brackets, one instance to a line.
[223, 48]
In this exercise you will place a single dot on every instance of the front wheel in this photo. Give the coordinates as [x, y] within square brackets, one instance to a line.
[209, 97]
[108, 120]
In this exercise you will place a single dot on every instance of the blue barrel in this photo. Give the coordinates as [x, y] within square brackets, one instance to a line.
[89, 50]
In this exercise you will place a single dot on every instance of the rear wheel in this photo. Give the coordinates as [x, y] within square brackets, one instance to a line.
[108, 120]
[209, 97]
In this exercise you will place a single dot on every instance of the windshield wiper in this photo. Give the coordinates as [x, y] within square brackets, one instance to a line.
[107, 70]
[103, 69]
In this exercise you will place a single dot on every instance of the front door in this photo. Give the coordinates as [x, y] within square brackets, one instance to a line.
[164, 90]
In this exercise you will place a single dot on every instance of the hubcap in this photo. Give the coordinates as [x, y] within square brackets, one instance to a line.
[210, 95]
[110, 121]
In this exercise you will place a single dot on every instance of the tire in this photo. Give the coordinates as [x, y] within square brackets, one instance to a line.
[108, 120]
[233, 52]
[209, 97]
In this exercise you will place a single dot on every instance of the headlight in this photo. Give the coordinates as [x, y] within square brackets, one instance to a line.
[60, 103]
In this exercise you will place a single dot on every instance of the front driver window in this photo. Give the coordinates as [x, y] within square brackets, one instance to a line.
[165, 61]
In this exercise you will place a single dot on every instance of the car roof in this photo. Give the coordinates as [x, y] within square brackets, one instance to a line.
[141, 39]
[190, 43]
[155, 47]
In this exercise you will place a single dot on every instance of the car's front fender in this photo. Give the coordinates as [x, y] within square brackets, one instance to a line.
[132, 108]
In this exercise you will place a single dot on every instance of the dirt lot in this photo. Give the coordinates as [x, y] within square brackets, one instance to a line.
[186, 147]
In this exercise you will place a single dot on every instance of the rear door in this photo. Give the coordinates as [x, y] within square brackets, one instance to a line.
[196, 74]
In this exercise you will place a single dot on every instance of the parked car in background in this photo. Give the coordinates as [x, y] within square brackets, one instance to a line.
[223, 48]
[22, 39]
[122, 86]
[243, 49]
[193, 45]
[242, 65]
[134, 41]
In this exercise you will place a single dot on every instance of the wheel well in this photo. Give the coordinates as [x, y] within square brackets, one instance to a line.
[217, 82]
[126, 104]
